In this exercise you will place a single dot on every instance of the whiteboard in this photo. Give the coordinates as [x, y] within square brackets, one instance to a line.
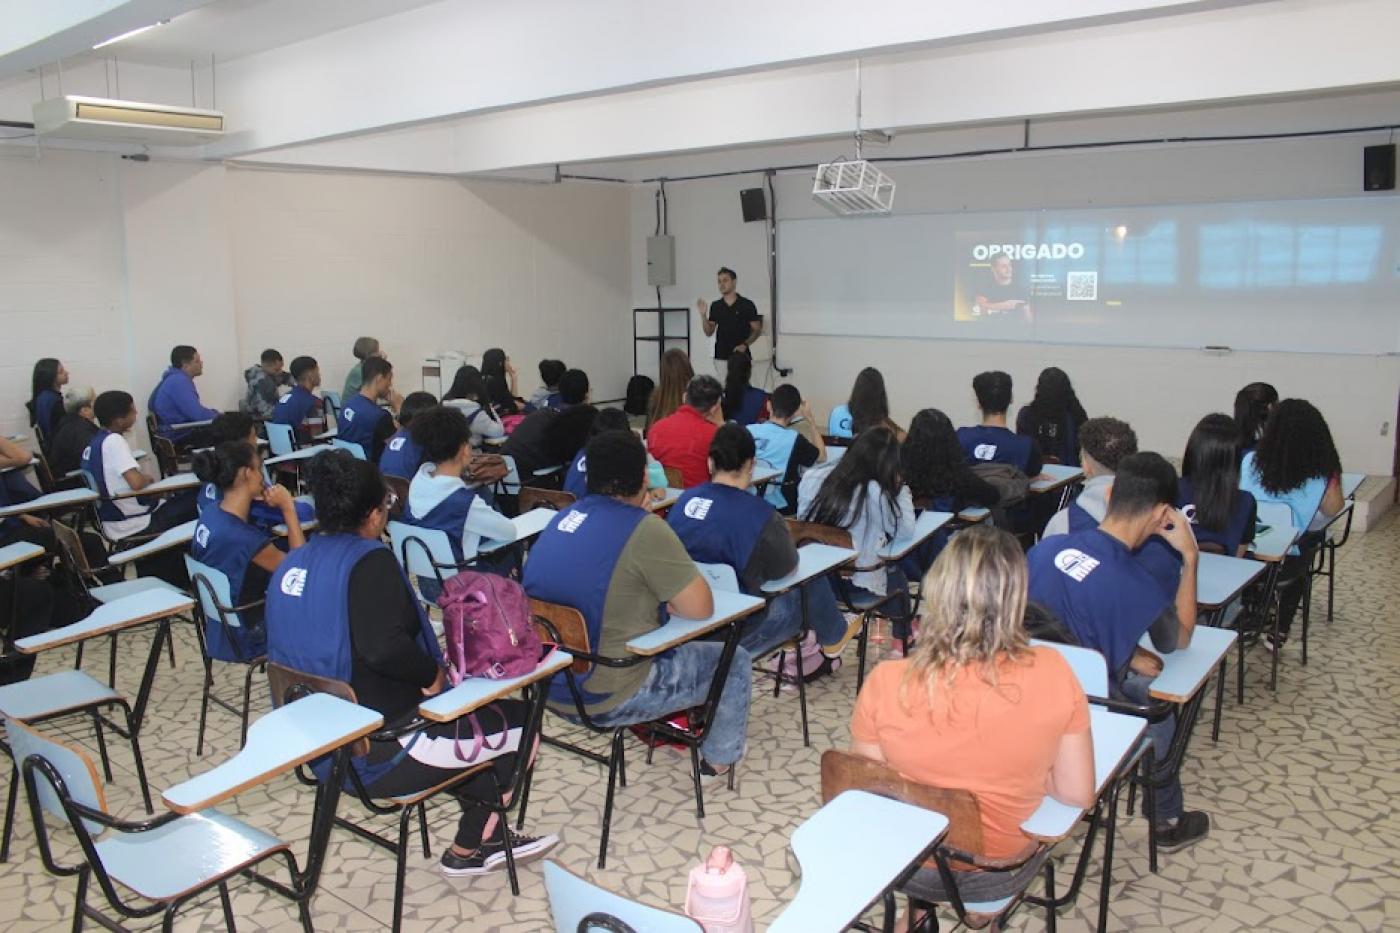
[1319, 275]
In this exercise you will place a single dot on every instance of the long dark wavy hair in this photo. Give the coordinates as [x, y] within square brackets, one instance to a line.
[931, 459]
[44, 377]
[1212, 464]
[1055, 398]
[736, 383]
[1252, 406]
[1296, 446]
[844, 494]
[869, 404]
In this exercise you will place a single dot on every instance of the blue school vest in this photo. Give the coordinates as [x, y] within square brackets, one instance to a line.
[774, 445]
[228, 545]
[401, 456]
[357, 421]
[840, 424]
[982, 444]
[48, 408]
[261, 515]
[308, 620]
[572, 564]
[92, 462]
[449, 516]
[576, 477]
[1156, 556]
[295, 407]
[1235, 530]
[719, 524]
[750, 407]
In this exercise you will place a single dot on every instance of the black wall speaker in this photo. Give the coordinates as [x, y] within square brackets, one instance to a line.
[756, 206]
[1378, 175]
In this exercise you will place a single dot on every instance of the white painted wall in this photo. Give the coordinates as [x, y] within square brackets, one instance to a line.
[1161, 392]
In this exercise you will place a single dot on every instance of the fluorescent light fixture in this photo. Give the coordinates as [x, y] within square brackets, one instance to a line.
[129, 33]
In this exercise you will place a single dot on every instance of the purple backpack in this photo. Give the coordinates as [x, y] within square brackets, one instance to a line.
[486, 619]
[814, 663]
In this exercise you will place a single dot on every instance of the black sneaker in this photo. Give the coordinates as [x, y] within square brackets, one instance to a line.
[492, 855]
[1190, 828]
[1275, 644]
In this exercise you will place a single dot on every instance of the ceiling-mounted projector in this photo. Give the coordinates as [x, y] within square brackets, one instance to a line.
[126, 121]
[853, 188]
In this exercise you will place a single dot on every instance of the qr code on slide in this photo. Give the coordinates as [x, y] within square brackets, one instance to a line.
[1082, 286]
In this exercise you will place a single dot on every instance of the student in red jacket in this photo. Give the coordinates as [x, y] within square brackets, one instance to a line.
[681, 441]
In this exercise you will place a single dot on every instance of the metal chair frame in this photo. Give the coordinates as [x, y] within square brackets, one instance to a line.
[201, 586]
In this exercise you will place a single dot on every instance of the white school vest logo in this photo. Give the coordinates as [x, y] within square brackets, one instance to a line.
[87, 454]
[1189, 510]
[284, 399]
[583, 464]
[1075, 563]
[397, 443]
[698, 508]
[201, 535]
[984, 451]
[294, 581]
[572, 521]
[349, 413]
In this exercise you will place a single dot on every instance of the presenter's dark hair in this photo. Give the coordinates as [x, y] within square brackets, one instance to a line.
[414, 404]
[550, 371]
[231, 426]
[374, 367]
[785, 400]
[1253, 404]
[109, 406]
[270, 356]
[347, 490]
[573, 387]
[993, 391]
[1212, 464]
[1108, 441]
[731, 447]
[702, 393]
[44, 379]
[931, 459]
[617, 464]
[181, 355]
[441, 431]
[725, 270]
[844, 494]
[1296, 446]
[220, 464]
[609, 419]
[869, 404]
[302, 365]
[736, 382]
[1143, 481]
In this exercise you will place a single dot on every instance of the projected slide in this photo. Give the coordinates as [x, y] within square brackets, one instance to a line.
[1242, 275]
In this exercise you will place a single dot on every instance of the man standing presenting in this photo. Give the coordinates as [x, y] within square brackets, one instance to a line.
[733, 316]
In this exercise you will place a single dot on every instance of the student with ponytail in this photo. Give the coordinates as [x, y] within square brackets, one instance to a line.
[743, 403]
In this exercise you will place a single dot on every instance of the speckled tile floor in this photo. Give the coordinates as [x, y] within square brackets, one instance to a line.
[1300, 789]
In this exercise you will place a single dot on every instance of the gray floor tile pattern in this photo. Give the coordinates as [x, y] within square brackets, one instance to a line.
[1300, 789]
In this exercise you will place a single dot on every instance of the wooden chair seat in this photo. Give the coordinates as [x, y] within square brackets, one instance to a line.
[533, 497]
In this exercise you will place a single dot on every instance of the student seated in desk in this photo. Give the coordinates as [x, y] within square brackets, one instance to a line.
[237, 427]
[468, 395]
[783, 445]
[341, 607]
[46, 398]
[74, 432]
[869, 404]
[362, 421]
[864, 493]
[1053, 418]
[403, 455]
[933, 466]
[1094, 584]
[991, 441]
[576, 476]
[1253, 406]
[549, 438]
[547, 395]
[1296, 464]
[363, 349]
[501, 385]
[975, 707]
[720, 522]
[15, 459]
[672, 380]
[301, 408]
[439, 498]
[681, 441]
[622, 568]
[175, 400]
[227, 539]
[1209, 494]
[268, 383]
[109, 462]
[1104, 444]
[743, 403]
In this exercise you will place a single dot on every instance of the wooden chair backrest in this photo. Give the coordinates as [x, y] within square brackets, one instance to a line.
[533, 497]
[399, 487]
[673, 478]
[72, 546]
[1210, 547]
[836, 440]
[570, 624]
[283, 680]
[808, 532]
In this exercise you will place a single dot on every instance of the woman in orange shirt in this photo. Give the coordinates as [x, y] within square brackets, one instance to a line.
[976, 708]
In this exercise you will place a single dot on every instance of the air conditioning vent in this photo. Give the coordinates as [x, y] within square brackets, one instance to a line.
[126, 121]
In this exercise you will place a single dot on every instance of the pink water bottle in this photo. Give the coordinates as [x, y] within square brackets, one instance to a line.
[718, 894]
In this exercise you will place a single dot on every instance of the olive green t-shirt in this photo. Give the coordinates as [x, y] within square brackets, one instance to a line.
[354, 381]
[651, 570]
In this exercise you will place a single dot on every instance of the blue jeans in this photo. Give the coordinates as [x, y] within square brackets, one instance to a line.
[679, 680]
[1169, 801]
[782, 620]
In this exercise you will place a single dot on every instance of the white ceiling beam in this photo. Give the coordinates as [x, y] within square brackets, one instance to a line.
[40, 32]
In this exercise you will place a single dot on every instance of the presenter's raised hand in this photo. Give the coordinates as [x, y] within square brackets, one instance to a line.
[701, 307]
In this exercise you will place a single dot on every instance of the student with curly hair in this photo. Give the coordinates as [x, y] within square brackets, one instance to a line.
[934, 467]
[1053, 417]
